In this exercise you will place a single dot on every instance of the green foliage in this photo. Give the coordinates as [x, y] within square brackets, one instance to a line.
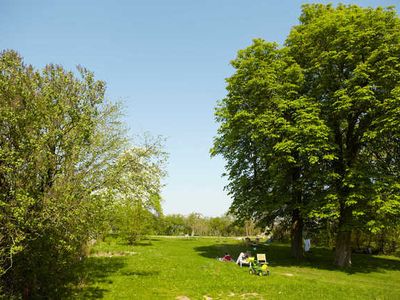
[313, 127]
[135, 185]
[221, 226]
[272, 137]
[351, 62]
[174, 225]
[58, 138]
[196, 224]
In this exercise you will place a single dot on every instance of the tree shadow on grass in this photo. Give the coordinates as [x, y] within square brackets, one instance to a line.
[143, 241]
[140, 273]
[319, 258]
[153, 239]
[98, 270]
[146, 241]
[95, 270]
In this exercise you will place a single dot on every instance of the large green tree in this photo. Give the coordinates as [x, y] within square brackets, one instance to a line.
[272, 138]
[350, 58]
[313, 127]
[58, 138]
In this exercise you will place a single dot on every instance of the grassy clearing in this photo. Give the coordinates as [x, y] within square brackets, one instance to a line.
[177, 268]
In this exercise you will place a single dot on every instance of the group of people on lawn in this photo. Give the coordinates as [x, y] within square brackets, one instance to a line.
[242, 259]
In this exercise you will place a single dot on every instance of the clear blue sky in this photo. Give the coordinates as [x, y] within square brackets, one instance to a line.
[165, 60]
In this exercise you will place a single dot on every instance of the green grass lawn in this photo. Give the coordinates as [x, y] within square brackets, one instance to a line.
[179, 268]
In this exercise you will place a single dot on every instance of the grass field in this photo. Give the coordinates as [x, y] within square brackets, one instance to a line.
[179, 268]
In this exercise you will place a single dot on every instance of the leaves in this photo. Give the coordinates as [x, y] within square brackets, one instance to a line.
[317, 118]
[58, 139]
[135, 184]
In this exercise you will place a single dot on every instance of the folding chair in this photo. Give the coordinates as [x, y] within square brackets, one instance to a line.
[261, 259]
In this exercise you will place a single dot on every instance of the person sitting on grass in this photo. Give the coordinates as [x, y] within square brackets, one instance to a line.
[243, 259]
[226, 257]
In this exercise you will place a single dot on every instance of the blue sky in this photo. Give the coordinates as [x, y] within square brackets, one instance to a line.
[165, 60]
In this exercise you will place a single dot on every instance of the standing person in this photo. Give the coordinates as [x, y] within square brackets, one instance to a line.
[307, 245]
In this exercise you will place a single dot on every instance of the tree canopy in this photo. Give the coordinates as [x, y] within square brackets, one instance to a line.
[311, 128]
[61, 146]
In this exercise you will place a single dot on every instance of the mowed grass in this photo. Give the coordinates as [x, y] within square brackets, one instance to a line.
[187, 268]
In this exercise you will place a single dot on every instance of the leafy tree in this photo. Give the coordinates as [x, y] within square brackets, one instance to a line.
[58, 138]
[350, 58]
[135, 183]
[272, 137]
[221, 226]
[312, 128]
[197, 224]
[174, 225]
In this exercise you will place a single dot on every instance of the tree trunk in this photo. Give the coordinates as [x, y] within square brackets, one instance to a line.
[381, 249]
[331, 234]
[343, 239]
[297, 235]
[343, 249]
[26, 293]
[357, 237]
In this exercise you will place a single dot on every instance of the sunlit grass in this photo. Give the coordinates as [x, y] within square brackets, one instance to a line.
[174, 268]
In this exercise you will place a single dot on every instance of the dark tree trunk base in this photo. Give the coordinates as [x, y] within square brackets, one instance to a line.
[297, 235]
[343, 249]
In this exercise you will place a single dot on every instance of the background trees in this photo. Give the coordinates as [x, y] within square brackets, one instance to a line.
[311, 129]
[198, 225]
[174, 224]
[135, 187]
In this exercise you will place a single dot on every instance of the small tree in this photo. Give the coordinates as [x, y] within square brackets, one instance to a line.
[174, 225]
[135, 184]
[196, 223]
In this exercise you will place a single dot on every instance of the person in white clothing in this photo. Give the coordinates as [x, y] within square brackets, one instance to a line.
[242, 259]
[307, 245]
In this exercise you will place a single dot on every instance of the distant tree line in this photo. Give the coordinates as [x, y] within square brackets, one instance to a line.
[191, 225]
[196, 224]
